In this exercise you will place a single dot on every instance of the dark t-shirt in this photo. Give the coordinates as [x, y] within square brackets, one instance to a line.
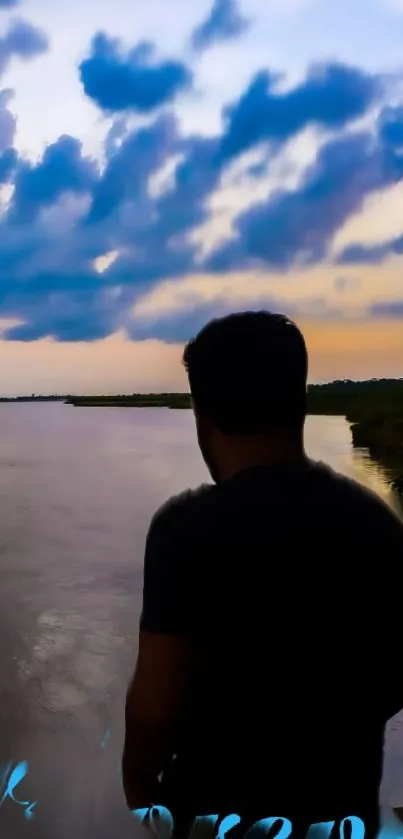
[289, 581]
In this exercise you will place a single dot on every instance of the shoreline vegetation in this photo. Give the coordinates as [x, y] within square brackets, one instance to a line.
[374, 408]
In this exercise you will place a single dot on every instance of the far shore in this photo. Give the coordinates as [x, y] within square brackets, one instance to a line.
[374, 408]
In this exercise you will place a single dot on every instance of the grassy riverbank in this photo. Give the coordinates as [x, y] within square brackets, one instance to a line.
[135, 400]
[374, 408]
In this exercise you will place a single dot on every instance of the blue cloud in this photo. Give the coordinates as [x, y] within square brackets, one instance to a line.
[22, 40]
[130, 166]
[387, 309]
[130, 82]
[370, 254]
[117, 132]
[9, 4]
[360, 254]
[61, 170]
[81, 316]
[297, 227]
[8, 121]
[184, 206]
[223, 23]
[390, 134]
[331, 96]
[48, 277]
[59, 293]
[390, 125]
[8, 165]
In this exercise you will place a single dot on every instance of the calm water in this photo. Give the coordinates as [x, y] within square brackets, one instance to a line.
[77, 490]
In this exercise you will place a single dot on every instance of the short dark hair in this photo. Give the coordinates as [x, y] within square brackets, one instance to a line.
[248, 373]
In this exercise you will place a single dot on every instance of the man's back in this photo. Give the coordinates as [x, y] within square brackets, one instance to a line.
[289, 581]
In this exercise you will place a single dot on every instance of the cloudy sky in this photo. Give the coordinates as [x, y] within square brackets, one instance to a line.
[163, 162]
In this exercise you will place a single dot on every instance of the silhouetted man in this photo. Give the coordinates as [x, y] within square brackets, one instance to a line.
[270, 653]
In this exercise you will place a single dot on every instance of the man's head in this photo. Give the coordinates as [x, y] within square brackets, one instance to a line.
[247, 374]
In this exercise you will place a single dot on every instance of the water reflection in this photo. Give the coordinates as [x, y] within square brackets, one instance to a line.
[384, 473]
[329, 439]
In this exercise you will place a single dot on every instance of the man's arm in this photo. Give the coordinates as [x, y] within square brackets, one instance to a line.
[158, 689]
[153, 710]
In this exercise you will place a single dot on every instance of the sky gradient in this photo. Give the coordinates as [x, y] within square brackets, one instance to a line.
[167, 162]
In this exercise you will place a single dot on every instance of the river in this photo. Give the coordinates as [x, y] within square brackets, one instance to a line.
[77, 490]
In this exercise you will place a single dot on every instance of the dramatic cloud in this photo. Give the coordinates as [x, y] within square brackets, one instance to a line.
[61, 170]
[297, 227]
[223, 23]
[184, 206]
[8, 165]
[390, 132]
[67, 212]
[81, 316]
[134, 81]
[7, 120]
[330, 97]
[22, 40]
[370, 254]
[129, 168]
[388, 309]
[391, 127]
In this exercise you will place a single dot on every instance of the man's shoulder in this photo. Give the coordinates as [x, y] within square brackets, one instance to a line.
[358, 497]
[179, 507]
[346, 485]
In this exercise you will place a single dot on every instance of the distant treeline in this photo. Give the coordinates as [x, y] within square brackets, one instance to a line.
[373, 407]
[344, 398]
[358, 401]
[33, 398]
[134, 400]
[372, 399]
